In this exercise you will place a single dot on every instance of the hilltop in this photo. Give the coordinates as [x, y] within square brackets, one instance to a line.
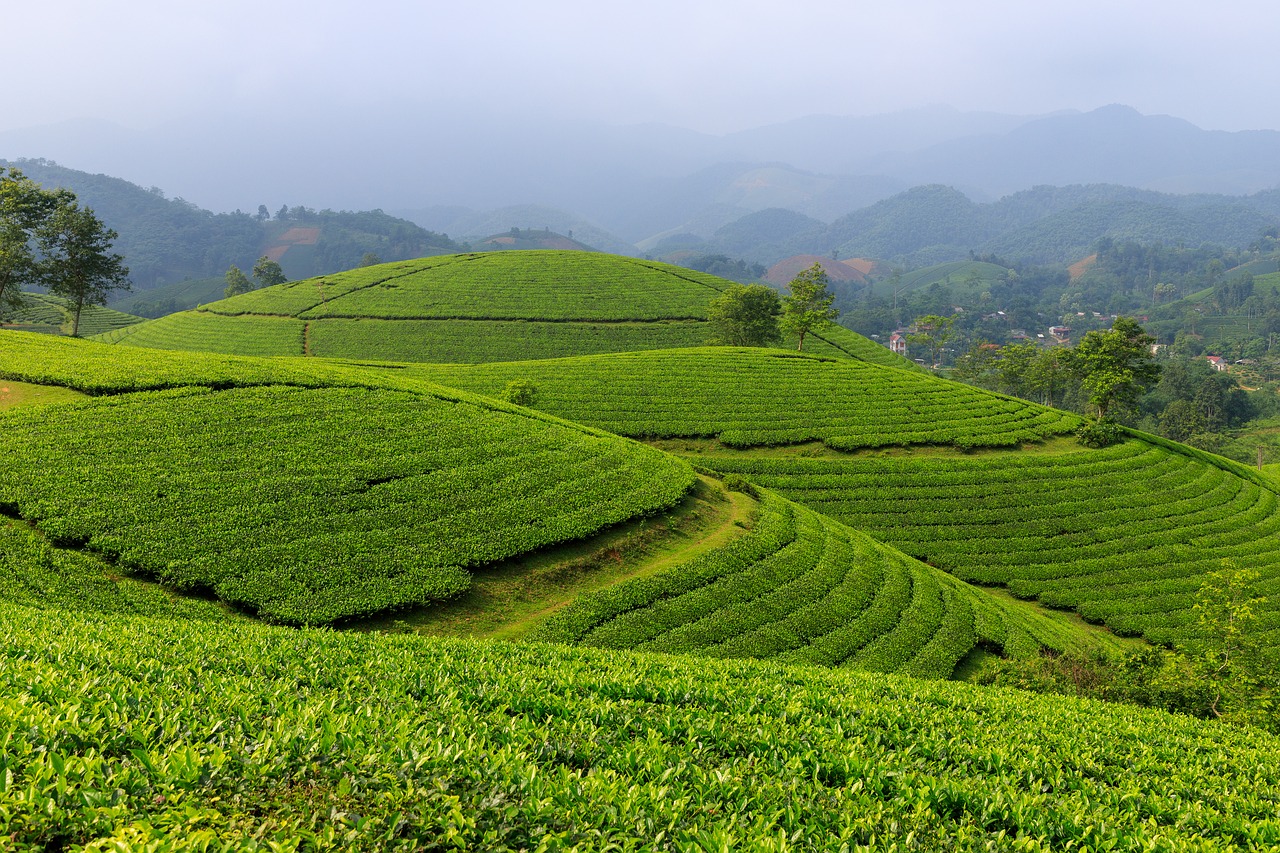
[493, 306]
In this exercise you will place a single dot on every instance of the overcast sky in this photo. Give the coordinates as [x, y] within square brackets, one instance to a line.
[710, 65]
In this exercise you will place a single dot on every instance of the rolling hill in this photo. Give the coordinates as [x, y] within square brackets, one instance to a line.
[1125, 536]
[493, 306]
[381, 490]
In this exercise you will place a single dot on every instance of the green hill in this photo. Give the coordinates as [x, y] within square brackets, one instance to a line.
[1125, 536]
[316, 504]
[495, 306]
[969, 277]
[167, 241]
[755, 397]
[379, 490]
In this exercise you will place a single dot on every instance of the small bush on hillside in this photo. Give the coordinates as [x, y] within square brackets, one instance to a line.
[738, 483]
[1100, 433]
[522, 392]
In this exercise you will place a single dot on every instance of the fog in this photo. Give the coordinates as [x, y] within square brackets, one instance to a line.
[235, 103]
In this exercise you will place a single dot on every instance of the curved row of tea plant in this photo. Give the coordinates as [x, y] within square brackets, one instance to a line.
[1124, 535]
[314, 505]
[55, 313]
[752, 397]
[804, 589]
[495, 306]
[200, 332]
[33, 573]
[128, 733]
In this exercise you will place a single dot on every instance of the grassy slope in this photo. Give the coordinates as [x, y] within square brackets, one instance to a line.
[130, 733]
[753, 397]
[1125, 536]
[820, 566]
[372, 498]
[494, 306]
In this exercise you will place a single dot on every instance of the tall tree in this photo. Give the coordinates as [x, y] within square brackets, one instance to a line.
[933, 332]
[237, 282]
[1115, 365]
[745, 316]
[23, 207]
[808, 308]
[77, 262]
[267, 272]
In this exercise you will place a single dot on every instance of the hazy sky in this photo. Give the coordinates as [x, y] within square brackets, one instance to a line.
[710, 65]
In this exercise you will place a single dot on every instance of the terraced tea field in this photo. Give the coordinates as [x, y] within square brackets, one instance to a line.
[44, 312]
[801, 588]
[310, 505]
[128, 733]
[490, 306]
[753, 397]
[1124, 535]
[317, 497]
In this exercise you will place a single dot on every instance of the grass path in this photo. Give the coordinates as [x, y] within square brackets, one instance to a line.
[14, 394]
[507, 600]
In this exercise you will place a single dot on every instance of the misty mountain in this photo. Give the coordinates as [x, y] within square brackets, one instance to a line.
[935, 223]
[645, 182]
[168, 240]
[1110, 145]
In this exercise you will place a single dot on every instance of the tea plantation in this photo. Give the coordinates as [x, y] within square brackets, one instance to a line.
[754, 397]
[125, 733]
[150, 532]
[490, 306]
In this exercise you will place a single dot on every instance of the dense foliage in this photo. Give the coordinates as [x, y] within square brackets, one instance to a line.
[749, 397]
[1125, 535]
[130, 733]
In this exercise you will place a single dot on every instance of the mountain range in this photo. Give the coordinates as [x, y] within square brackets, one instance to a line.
[643, 183]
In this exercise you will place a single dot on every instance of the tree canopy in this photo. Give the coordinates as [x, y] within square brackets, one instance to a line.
[1115, 365]
[23, 207]
[267, 272]
[48, 239]
[77, 262]
[745, 316]
[808, 308]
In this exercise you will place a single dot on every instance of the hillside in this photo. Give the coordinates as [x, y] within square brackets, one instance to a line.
[933, 224]
[383, 491]
[166, 241]
[374, 498]
[494, 306]
[54, 314]
[145, 733]
[1125, 536]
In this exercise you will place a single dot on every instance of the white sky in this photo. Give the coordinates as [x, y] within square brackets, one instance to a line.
[710, 65]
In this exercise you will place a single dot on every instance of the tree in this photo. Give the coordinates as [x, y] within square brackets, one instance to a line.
[237, 283]
[23, 207]
[77, 262]
[267, 272]
[808, 308]
[1226, 612]
[263, 213]
[745, 315]
[522, 392]
[933, 333]
[369, 259]
[1114, 366]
